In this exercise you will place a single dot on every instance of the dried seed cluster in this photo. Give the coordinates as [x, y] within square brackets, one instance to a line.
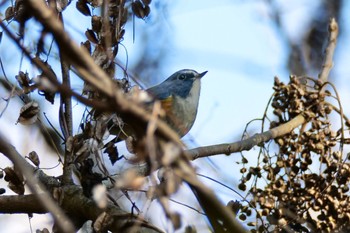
[303, 187]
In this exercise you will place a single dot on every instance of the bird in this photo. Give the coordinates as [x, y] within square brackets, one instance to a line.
[179, 97]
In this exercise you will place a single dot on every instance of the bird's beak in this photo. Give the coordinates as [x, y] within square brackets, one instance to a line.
[201, 74]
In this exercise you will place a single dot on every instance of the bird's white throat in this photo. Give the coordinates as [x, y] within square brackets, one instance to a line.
[186, 109]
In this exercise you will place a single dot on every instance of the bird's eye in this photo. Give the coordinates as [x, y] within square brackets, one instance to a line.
[182, 76]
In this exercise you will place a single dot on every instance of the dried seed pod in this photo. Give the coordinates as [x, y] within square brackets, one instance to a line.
[175, 219]
[22, 12]
[96, 23]
[265, 159]
[322, 216]
[33, 156]
[234, 206]
[2, 191]
[86, 45]
[345, 188]
[249, 212]
[337, 155]
[24, 81]
[146, 2]
[273, 124]
[247, 178]
[140, 10]
[243, 170]
[95, 3]
[91, 36]
[19, 188]
[242, 186]
[303, 166]
[9, 13]
[328, 109]
[276, 82]
[15, 180]
[29, 113]
[242, 217]
[265, 212]
[244, 208]
[112, 151]
[276, 170]
[83, 7]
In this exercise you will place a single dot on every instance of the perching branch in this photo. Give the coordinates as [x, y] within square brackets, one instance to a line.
[248, 143]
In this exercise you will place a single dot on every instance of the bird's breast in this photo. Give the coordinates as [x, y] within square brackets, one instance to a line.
[184, 110]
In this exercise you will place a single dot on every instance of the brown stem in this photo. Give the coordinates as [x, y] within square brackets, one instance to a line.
[22, 204]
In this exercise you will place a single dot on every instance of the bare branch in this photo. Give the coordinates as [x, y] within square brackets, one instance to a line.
[247, 144]
[22, 204]
[328, 59]
[65, 115]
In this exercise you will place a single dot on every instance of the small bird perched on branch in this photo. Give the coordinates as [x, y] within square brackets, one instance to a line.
[179, 98]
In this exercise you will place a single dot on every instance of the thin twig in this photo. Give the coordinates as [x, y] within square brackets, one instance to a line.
[65, 115]
[187, 206]
[53, 127]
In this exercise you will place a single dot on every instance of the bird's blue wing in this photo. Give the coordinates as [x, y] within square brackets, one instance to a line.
[163, 95]
[159, 93]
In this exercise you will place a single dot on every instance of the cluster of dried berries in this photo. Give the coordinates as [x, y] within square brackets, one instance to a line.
[303, 187]
[296, 98]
